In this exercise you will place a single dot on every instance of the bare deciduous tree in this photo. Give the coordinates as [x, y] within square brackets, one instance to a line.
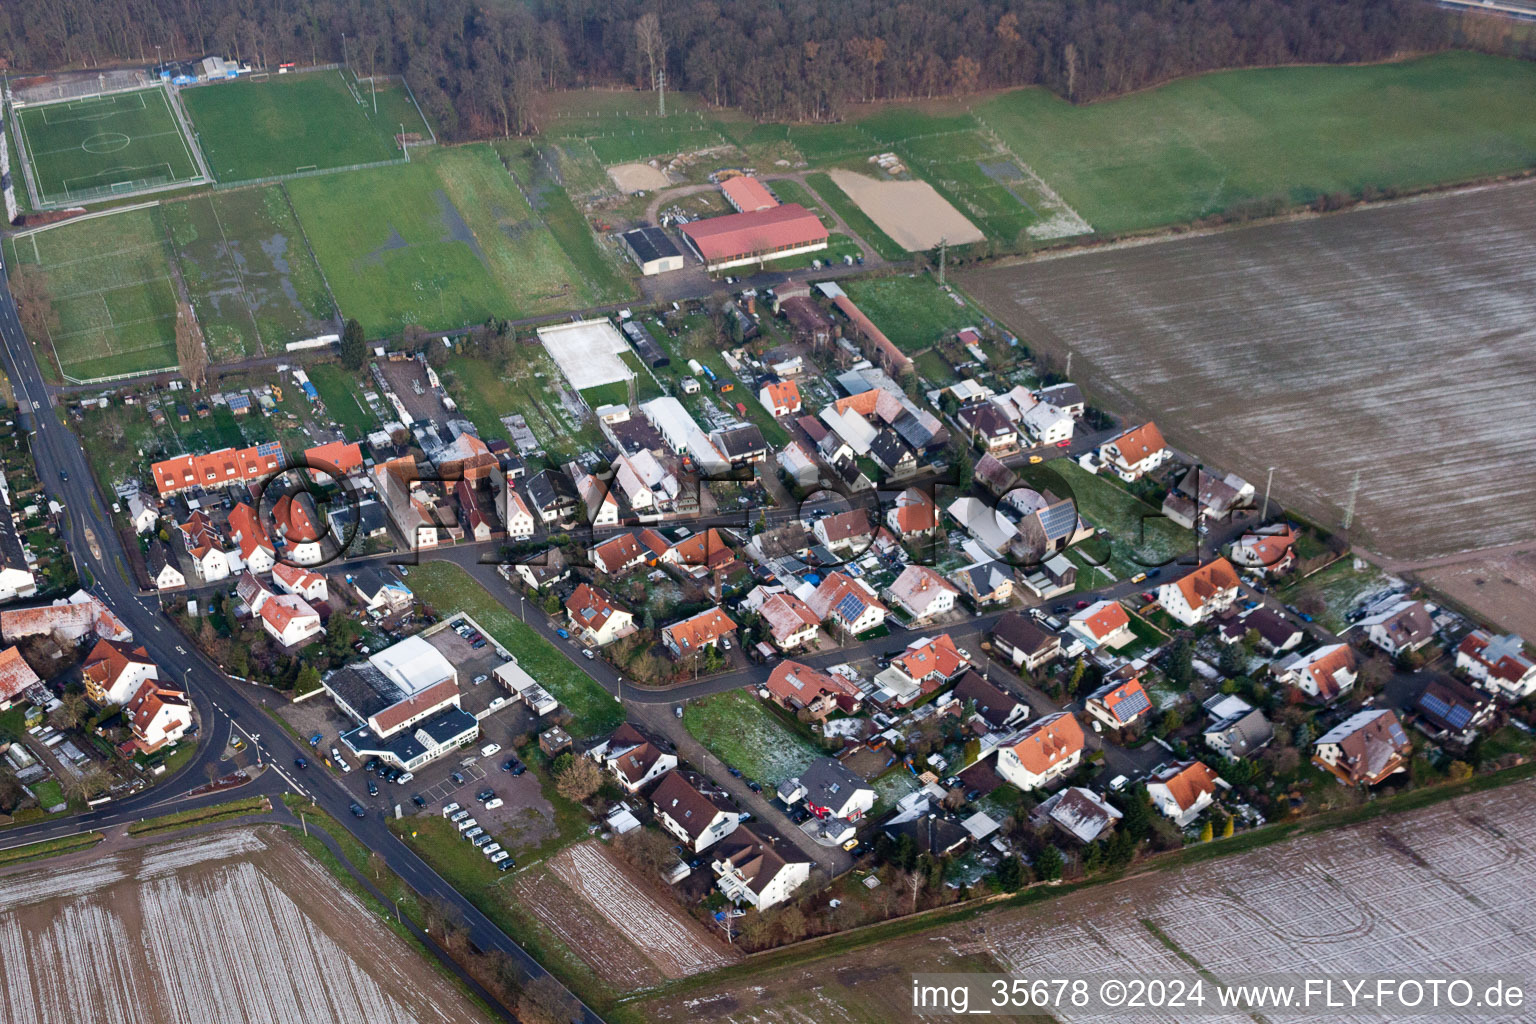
[191, 355]
[648, 39]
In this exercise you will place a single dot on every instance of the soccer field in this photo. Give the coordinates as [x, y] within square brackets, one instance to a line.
[110, 283]
[283, 124]
[1201, 146]
[105, 146]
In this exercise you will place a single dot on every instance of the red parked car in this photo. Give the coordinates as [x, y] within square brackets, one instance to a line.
[1063, 444]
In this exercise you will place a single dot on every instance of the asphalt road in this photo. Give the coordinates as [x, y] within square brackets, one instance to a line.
[91, 538]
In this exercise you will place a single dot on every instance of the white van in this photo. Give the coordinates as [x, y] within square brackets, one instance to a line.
[467, 824]
[450, 808]
[492, 850]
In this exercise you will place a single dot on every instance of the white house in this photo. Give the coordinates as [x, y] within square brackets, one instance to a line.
[205, 548]
[1048, 424]
[289, 619]
[693, 810]
[1398, 627]
[164, 566]
[520, 524]
[831, 790]
[848, 602]
[1135, 453]
[115, 670]
[1102, 624]
[633, 760]
[594, 618]
[1200, 594]
[756, 872]
[291, 579]
[1042, 752]
[1325, 674]
[142, 513]
[922, 593]
[157, 716]
[1183, 790]
[780, 398]
[1498, 664]
[254, 547]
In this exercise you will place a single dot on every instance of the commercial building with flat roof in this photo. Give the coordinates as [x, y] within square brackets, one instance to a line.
[737, 239]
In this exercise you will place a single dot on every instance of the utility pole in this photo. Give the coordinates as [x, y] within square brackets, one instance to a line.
[374, 88]
[661, 90]
[1265, 514]
[1349, 508]
[943, 253]
[1069, 365]
[344, 49]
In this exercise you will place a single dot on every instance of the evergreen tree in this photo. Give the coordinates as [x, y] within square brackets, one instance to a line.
[1048, 864]
[353, 350]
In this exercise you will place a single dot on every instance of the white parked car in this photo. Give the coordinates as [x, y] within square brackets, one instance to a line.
[407, 777]
[450, 808]
[493, 803]
[492, 850]
[489, 749]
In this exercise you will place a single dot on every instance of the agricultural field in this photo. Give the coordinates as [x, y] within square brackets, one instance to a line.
[448, 588]
[738, 729]
[235, 926]
[441, 242]
[113, 296]
[1387, 882]
[287, 123]
[912, 310]
[253, 281]
[1413, 320]
[104, 146]
[1201, 146]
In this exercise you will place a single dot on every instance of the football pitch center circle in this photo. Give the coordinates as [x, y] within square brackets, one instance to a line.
[106, 142]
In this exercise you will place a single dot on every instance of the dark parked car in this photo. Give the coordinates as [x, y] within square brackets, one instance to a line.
[457, 778]
[314, 740]
[507, 865]
[394, 774]
[300, 762]
[735, 771]
[64, 475]
[371, 765]
[1061, 609]
[485, 794]
[756, 787]
[357, 810]
[416, 799]
[478, 644]
[506, 765]
[518, 767]
[373, 788]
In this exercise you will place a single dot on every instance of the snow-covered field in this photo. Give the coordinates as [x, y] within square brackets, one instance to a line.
[240, 926]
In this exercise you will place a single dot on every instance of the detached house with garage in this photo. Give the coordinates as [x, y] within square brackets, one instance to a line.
[1183, 791]
[790, 622]
[1325, 674]
[1119, 705]
[1019, 640]
[1399, 627]
[1046, 750]
[633, 759]
[1135, 453]
[759, 872]
[999, 711]
[205, 548]
[693, 809]
[291, 579]
[1200, 594]
[594, 618]
[1364, 749]
[797, 687]
[1102, 624]
[705, 629]
[1498, 664]
[114, 670]
[927, 665]
[780, 398]
[922, 593]
[847, 602]
[157, 715]
[913, 514]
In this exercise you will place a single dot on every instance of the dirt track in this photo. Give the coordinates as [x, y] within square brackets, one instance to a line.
[912, 212]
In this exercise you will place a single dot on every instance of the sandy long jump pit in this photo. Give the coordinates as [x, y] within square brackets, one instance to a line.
[234, 927]
[911, 212]
[638, 177]
[587, 352]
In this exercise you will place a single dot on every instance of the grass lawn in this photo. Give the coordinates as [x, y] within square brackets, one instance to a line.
[50, 847]
[448, 588]
[741, 731]
[199, 816]
[1139, 536]
[110, 283]
[286, 123]
[254, 282]
[1339, 587]
[485, 394]
[913, 311]
[90, 148]
[1202, 145]
[49, 793]
[395, 108]
[790, 191]
[857, 220]
[338, 389]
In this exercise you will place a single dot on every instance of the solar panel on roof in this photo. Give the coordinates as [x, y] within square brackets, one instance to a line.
[1396, 732]
[269, 448]
[1058, 520]
[1132, 704]
[849, 608]
[1457, 716]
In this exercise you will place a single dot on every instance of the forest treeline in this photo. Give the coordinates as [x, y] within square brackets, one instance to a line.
[478, 66]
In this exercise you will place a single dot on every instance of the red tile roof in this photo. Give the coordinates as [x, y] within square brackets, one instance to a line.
[747, 194]
[337, 458]
[15, 674]
[416, 704]
[225, 466]
[1187, 784]
[937, 658]
[1048, 741]
[739, 235]
[1139, 443]
[700, 630]
[783, 394]
[1107, 617]
[795, 685]
[247, 529]
[866, 328]
[1204, 582]
[915, 511]
[589, 607]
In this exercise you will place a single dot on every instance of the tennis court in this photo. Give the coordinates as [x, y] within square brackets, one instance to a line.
[105, 146]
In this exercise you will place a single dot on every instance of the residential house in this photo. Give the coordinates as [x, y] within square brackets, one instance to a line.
[645, 483]
[164, 566]
[741, 446]
[291, 579]
[619, 554]
[73, 618]
[1066, 397]
[756, 871]
[114, 670]
[257, 552]
[790, 622]
[1048, 425]
[1498, 664]
[988, 427]
[633, 759]
[553, 496]
[1120, 704]
[142, 512]
[1102, 624]
[16, 676]
[1276, 633]
[1081, 813]
[1270, 550]
[1202, 497]
[913, 514]
[594, 618]
[925, 666]
[831, 790]
[780, 398]
[846, 533]
[217, 469]
[848, 603]
[799, 465]
[539, 571]
[1200, 594]
[693, 809]
[1399, 627]
[335, 459]
[1365, 748]
[1237, 729]
[1136, 452]
[601, 507]
[794, 686]
[520, 522]
[287, 618]
[1020, 640]
[157, 716]
[1000, 711]
[1042, 752]
[16, 576]
[891, 454]
[922, 593]
[1183, 790]
[1052, 577]
[205, 548]
[706, 629]
[478, 517]
[1450, 711]
[297, 524]
[700, 553]
[1325, 674]
[379, 592]
[985, 583]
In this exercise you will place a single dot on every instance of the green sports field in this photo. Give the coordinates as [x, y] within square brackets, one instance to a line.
[113, 296]
[253, 281]
[287, 123]
[1203, 145]
[441, 242]
[105, 145]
